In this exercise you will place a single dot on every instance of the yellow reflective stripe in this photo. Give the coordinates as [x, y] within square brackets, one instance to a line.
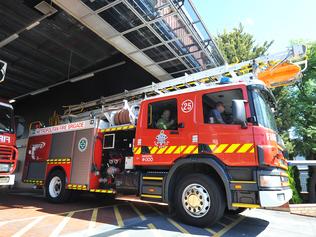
[161, 150]
[189, 149]
[170, 149]
[212, 146]
[150, 196]
[153, 150]
[220, 148]
[137, 152]
[152, 178]
[135, 148]
[232, 148]
[244, 148]
[196, 151]
[252, 150]
[179, 150]
[246, 205]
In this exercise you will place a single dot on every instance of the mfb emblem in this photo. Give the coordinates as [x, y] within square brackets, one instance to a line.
[4, 139]
[161, 139]
[83, 144]
[34, 148]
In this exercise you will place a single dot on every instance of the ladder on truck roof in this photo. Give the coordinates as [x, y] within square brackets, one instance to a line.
[240, 72]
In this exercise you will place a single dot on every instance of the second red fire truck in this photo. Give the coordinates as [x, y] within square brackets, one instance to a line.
[8, 150]
[166, 143]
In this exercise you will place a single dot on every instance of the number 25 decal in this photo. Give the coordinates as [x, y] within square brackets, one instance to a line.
[187, 106]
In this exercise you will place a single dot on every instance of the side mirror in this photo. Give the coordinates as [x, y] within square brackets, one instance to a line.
[3, 69]
[239, 113]
[20, 126]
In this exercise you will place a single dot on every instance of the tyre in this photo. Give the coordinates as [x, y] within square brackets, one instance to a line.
[237, 211]
[199, 200]
[55, 188]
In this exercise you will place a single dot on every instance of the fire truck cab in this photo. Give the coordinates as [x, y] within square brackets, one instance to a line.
[197, 143]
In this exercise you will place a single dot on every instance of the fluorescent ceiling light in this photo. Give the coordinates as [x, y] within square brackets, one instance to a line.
[36, 23]
[81, 77]
[39, 91]
[8, 40]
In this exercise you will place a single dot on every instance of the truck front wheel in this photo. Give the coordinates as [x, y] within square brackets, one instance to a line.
[199, 200]
[55, 189]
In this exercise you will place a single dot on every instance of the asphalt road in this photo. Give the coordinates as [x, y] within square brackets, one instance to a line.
[26, 213]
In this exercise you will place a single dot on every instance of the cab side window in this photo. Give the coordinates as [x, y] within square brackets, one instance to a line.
[217, 106]
[163, 115]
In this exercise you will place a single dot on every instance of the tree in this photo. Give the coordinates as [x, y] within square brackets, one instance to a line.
[297, 111]
[237, 45]
[297, 114]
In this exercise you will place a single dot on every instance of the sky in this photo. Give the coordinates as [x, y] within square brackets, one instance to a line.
[278, 20]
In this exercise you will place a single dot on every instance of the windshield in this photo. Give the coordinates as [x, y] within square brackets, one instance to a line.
[6, 120]
[262, 102]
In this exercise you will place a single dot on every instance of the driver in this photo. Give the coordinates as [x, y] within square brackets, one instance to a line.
[164, 122]
[216, 114]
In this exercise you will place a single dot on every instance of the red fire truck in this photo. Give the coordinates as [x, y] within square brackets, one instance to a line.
[201, 143]
[8, 150]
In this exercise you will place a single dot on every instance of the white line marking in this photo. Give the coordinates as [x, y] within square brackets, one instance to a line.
[93, 220]
[26, 228]
[61, 225]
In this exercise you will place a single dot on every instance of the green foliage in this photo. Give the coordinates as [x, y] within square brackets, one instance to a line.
[237, 45]
[294, 184]
[297, 111]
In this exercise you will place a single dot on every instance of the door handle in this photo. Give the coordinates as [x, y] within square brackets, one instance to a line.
[174, 132]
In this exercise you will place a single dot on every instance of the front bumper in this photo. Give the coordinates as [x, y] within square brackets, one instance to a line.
[7, 179]
[274, 198]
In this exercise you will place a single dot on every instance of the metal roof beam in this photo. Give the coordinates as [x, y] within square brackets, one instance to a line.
[15, 52]
[9, 13]
[24, 84]
[193, 32]
[156, 45]
[154, 32]
[35, 48]
[143, 25]
[182, 56]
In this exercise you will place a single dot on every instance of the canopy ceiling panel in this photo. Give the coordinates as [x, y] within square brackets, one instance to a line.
[169, 34]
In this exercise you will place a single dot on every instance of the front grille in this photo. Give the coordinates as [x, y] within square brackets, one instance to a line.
[6, 153]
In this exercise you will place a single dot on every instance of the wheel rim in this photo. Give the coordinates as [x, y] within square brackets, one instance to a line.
[196, 200]
[55, 186]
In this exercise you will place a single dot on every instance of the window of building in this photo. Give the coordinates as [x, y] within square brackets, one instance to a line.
[163, 115]
[217, 106]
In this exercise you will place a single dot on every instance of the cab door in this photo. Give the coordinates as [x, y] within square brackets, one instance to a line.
[155, 145]
[231, 143]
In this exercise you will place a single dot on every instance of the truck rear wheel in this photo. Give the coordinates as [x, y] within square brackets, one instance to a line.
[199, 200]
[55, 189]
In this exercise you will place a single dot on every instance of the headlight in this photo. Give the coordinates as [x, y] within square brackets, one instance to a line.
[270, 181]
[4, 167]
